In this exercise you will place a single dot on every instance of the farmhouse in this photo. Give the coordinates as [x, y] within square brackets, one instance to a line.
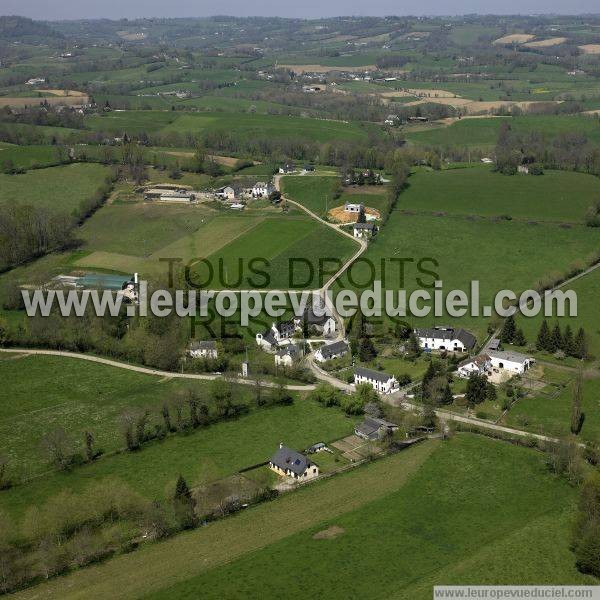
[350, 207]
[445, 338]
[316, 319]
[287, 355]
[292, 464]
[225, 193]
[309, 168]
[287, 168]
[269, 340]
[381, 382]
[364, 230]
[523, 169]
[374, 429]
[331, 351]
[512, 362]
[262, 189]
[203, 349]
[35, 81]
[481, 365]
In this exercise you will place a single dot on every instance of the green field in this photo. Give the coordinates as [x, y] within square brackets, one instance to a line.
[48, 392]
[484, 131]
[26, 157]
[587, 289]
[472, 511]
[467, 250]
[79, 397]
[550, 413]
[61, 189]
[243, 124]
[554, 196]
[316, 193]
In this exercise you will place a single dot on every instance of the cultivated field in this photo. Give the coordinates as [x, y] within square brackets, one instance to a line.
[555, 41]
[514, 38]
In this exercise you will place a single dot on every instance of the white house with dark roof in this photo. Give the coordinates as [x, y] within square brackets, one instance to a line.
[262, 190]
[331, 351]
[364, 230]
[316, 317]
[226, 192]
[289, 463]
[203, 349]
[381, 382]
[287, 355]
[445, 338]
[480, 365]
[287, 168]
[514, 363]
[269, 340]
[352, 207]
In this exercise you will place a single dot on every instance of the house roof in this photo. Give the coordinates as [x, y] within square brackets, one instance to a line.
[203, 345]
[371, 425]
[364, 226]
[311, 318]
[448, 333]
[268, 337]
[371, 374]
[509, 356]
[286, 458]
[288, 350]
[479, 360]
[335, 348]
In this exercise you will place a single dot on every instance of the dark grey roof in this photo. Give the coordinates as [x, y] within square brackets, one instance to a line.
[466, 337]
[286, 458]
[371, 426]
[371, 374]
[269, 337]
[203, 345]
[364, 226]
[448, 333]
[336, 348]
[311, 318]
[288, 349]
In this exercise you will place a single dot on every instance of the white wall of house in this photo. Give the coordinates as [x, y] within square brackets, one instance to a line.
[204, 353]
[440, 344]
[310, 473]
[515, 367]
[386, 387]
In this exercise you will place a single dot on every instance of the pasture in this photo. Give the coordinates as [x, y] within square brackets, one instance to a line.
[555, 196]
[315, 193]
[60, 189]
[484, 131]
[469, 252]
[245, 125]
[472, 510]
[202, 456]
[550, 412]
[587, 289]
[26, 157]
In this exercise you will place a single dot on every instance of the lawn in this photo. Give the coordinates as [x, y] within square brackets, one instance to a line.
[61, 189]
[554, 196]
[470, 511]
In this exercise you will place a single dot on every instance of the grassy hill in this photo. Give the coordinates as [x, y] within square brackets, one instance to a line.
[473, 510]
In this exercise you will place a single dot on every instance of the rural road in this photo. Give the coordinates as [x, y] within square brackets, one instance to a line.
[148, 371]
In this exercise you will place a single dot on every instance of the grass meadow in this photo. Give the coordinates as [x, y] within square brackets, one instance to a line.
[80, 396]
[60, 189]
[472, 510]
[245, 125]
[499, 254]
[554, 196]
[484, 131]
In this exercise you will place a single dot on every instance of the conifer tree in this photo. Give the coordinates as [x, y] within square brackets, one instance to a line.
[543, 338]
[509, 329]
